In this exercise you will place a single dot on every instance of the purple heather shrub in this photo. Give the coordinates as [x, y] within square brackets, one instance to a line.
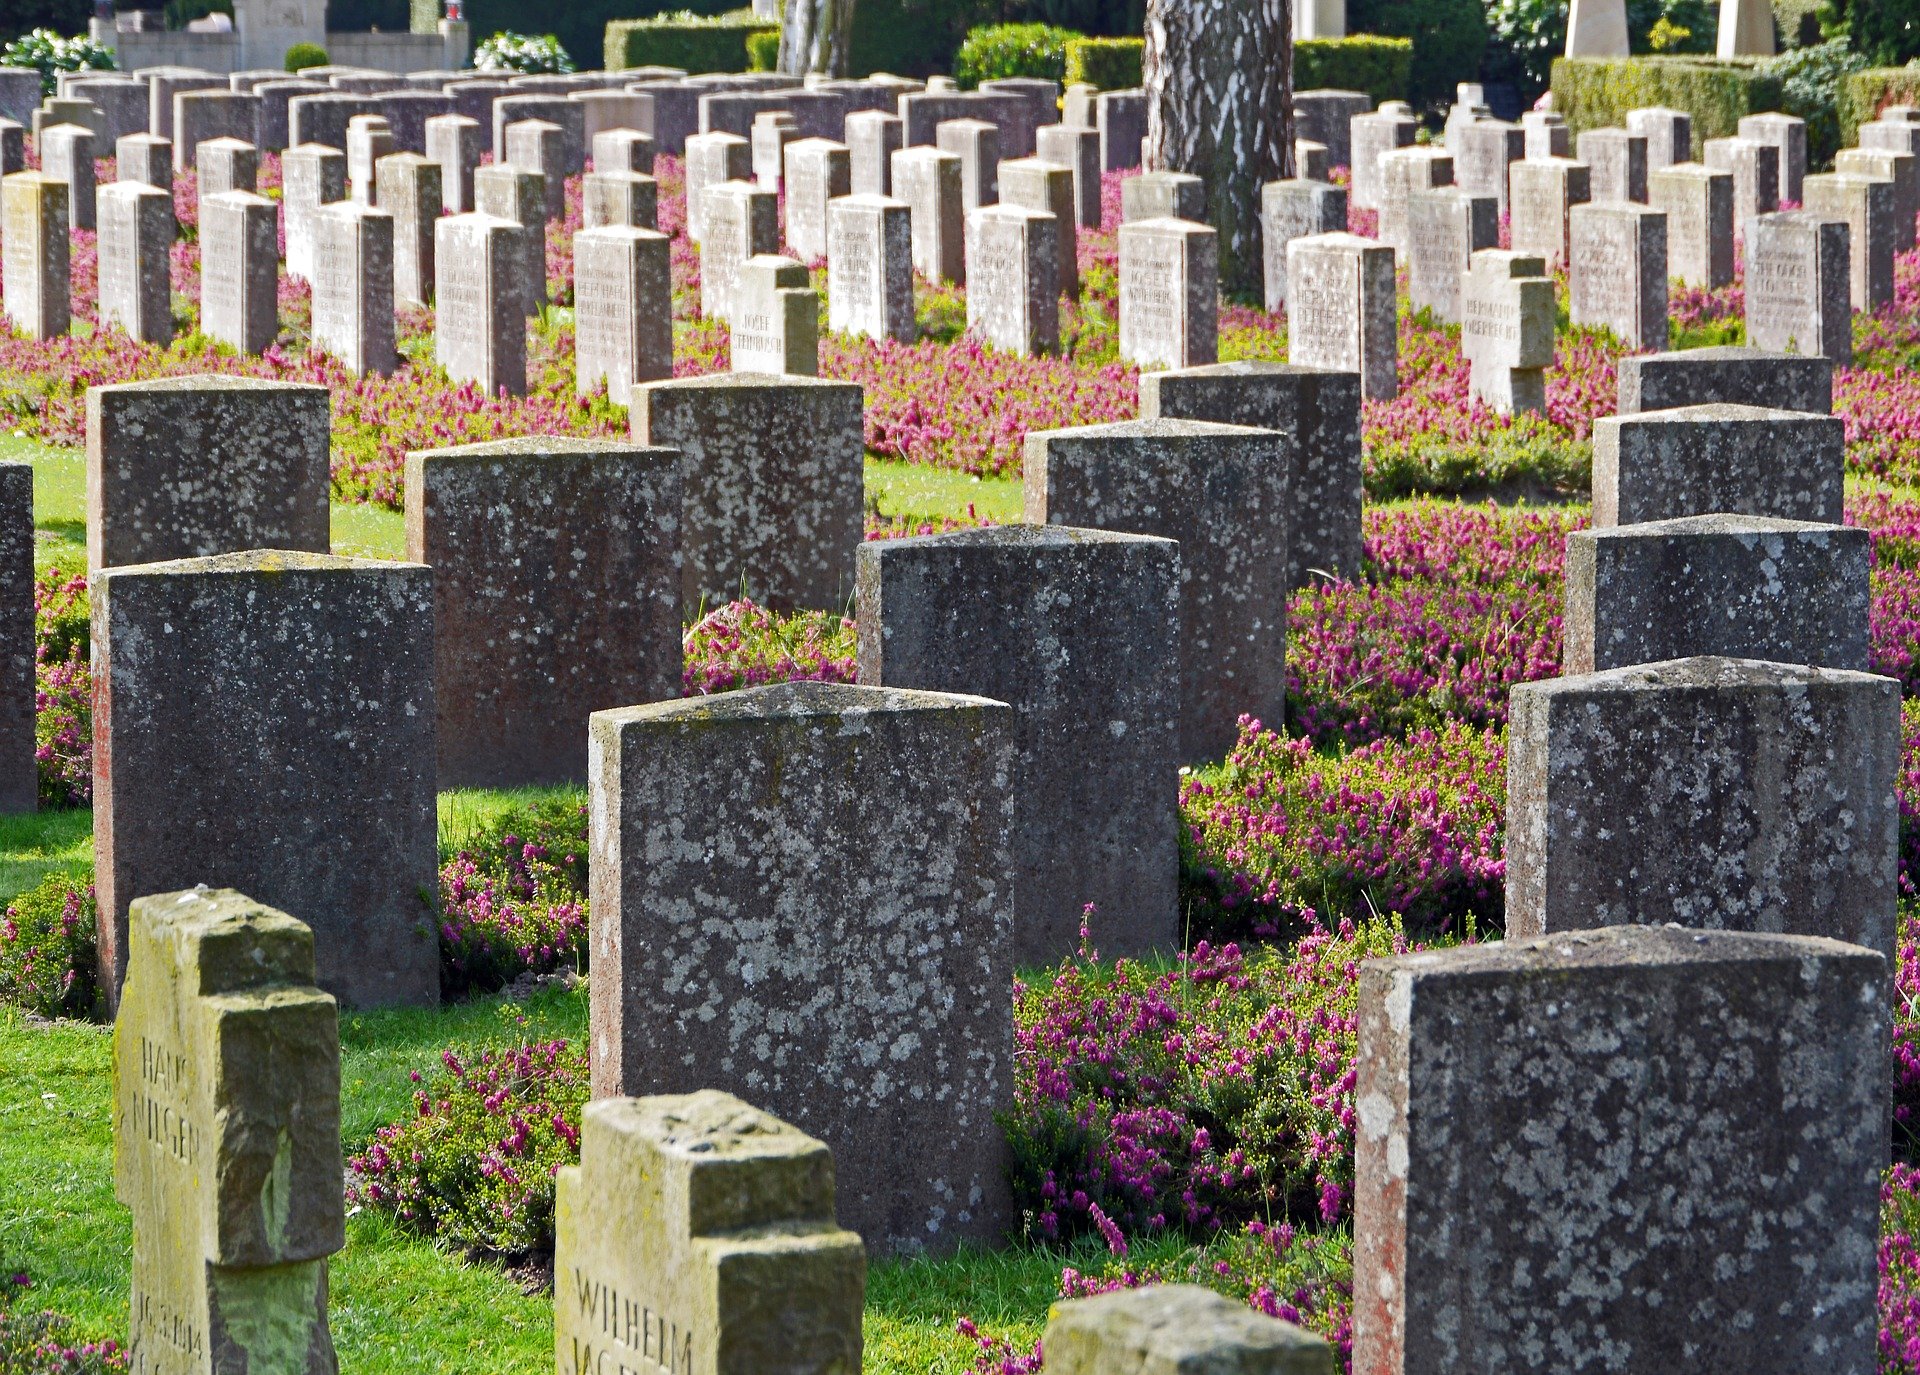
[513, 905]
[48, 953]
[63, 689]
[742, 645]
[43, 1342]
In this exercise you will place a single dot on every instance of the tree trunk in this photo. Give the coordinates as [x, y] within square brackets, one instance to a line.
[1218, 77]
[817, 36]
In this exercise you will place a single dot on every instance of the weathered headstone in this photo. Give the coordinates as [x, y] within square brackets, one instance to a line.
[480, 292]
[556, 590]
[1788, 134]
[977, 144]
[870, 268]
[1292, 210]
[1741, 376]
[1702, 460]
[1597, 28]
[1402, 172]
[873, 137]
[162, 86]
[697, 1233]
[1310, 160]
[519, 196]
[1169, 293]
[1505, 1210]
[453, 141]
[239, 261]
[409, 189]
[742, 220]
[712, 159]
[1372, 135]
[1225, 493]
[771, 134]
[369, 138]
[1013, 279]
[207, 113]
[773, 495]
[1698, 204]
[1326, 115]
[1166, 1327]
[34, 255]
[928, 180]
[1121, 118]
[276, 110]
[604, 111]
[1734, 794]
[1902, 169]
[1756, 177]
[1078, 150]
[622, 150]
[144, 158]
[1482, 151]
[1544, 192]
[627, 200]
[1617, 273]
[19, 766]
[1079, 631]
[226, 1136]
[1040, 185]
[1869, 209]
[13, 145]
[1788, 591]
[186, 467]
[135, 248]
[1616, 164]
[1799, 285]
[1669, 135]
[623, 309]
[353, 287]
[568, 114]
[1547, 134]
[227, 164]
[894, 1026]
[1163, 195]
[818, 171]
[776, 323]
[66, 154]
[1506, 329]
[1446, 227]
[1340, 309]
[324, 795]
[312, 175]
[539, 145]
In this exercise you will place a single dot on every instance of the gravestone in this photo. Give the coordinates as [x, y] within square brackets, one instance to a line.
[1168, 1327]
[409, 189]
[1508, 1206]
[771, 134]
[928, 180]
[538, 145]
[519, 196]
[81, 114]
[1121, 119]
[1446, 227]
[1310, 160]
[312, 175]
[1325, 115]
[13, 146]
[1013, 279]
[1078, 150]
[1402, 172]
[1163, 195]
[742, 220]
[1340, 310]
[163, 85]
[873, 137]
[977, 144]
[144, 158]
[1788, 134]
[776, 329]
[1078, 630]
[737, 111]
[276, 110]
[1225, 493]
[369, 138]
[135, 248]
[227, 164]
[1799, 285]
[210, 113]
[1543, 194]
[1746, 587]
[1547, 134]
[1469, 104]
[606, 110]
[818, 172]
[623, 309]
[1869, 209]
[407, 113]
[697, 1233]
[773, 471]
[572, 119]
[1894, 134]
[1040, 185]
[556, 593]
[1292, 210]
[1903, 170]
[1372, 135]
[1482, 152]
[122, 103]
[239, 260]
[1507, 329]
[19, 93]
[1616, 164]
[1738, 376]
[353, 287]
[622, 150]
[1169, 293]
[627, 200]
[1669, 135]
[186, 467]
[66, 155]
[324, 794]
[453, 141]
[870, 268]
[894, 1025]
[1597, 28]
[1698, 204]
[226, 1136]
[1618, 271]
[1739, 795]
[670, 114]
[19, 766]
[480, 291]
[1756, 177]
[1700, 460]
[1076, 105]
[712, 160]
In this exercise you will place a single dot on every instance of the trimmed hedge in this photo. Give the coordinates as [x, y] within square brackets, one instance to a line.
[763, 51]
[995, 52]
[1865, 94]
[1449, 41]
[1382, 67]
[696, 46]
[1595, 93]
[1112, 64]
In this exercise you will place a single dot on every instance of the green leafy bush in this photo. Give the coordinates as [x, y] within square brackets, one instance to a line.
[1865, 94]
[1885, 32]
[686, 41]
[524, 53]
[44, 1342]
[763, 51]
[62, 16]
[1382, 67]
[303, 55]
[48, 949]
[1003, 50]
[1594, 92]
[48, 52]
[1810, 83]
[1112, 64]
[1449, 39]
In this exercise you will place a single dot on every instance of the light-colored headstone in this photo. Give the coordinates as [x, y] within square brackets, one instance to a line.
[1402, 172]
[1340, 309]
[928, 180]
[539, 145]
[409, 189]
[1597, 28]
[1756, 177]
[742, 220]
[1544, 192]
[480, 292]
[1506, 329]
[66, 153]
[1902, 169]
[136, 245]
[629, 200]
[1163, 195]
[623, 309]
[226, 1144]
[1869, 208]
[143, 157]
[1326, 116]
[818, 171]
[1310, 160]
[453, 141]
[1616, 164]
[209, 112]
[1799, 285]
[1037, 184]
[1788, 133]
[1617, 275]
[1121, 118]
[1482, 152]
[870, 268]
[711, 160]
[607, 110]
[369, 138]
[518, 194]
[1698, 204]
[239, 277]
[776, 329]
[771, 134]
[1169, 293]
[1669, 135]
[1292, 210]
[1446, 227]
[1547, 134]
[622, 150]
[873, 137]
[1077, 149]
[1013, 278]
[353, 287]
[1168, 1327]
[1385, 129]
[977, 144]
[312, 175]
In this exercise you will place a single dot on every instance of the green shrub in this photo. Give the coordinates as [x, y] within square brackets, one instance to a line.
[1449, 39]
[524, 53]
[763, 51]
[303, 55]
[1382, 67]
[1594, 92]
[1865, 94]
[62, 16]
[686, 41]
[1885, 32]
[48, 950]
[1003, 50]
[1810, 82]
[49, 53]
[1112, 64]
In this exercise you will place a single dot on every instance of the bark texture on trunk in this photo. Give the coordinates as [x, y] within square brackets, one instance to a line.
[1218, 77]
[816, 36]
